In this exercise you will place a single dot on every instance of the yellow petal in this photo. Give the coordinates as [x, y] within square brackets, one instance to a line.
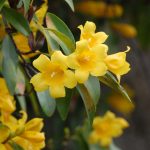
[57, 91]
[81, 45]
[89, 27]
[81, 75]
[4, 133]
[35, 124]
[59, 58]
[38, 82]
[72, 61]
[42, 63]
[2, 147]
[100, 37]
[70, 80]
[3, 87]
[99, 70]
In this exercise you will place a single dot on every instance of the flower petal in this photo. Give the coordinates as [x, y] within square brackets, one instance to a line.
[72, 61]
[81, 75]
[42, 63]
[38, 82]
[100, 37]
[59, 58]
[70, 80]
[81, 45]
[89, 27]
[57, 91]
[99, 70]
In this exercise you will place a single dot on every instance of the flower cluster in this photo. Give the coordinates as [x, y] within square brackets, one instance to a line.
[89, 58]
[26, 134]
[107, 127]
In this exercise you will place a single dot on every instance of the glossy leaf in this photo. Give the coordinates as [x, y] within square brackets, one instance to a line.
[111, 81]
[53, 22]
[63, 104]
[64, 41]
[70, 3]
[48, 104]
[17, 20]
[1, 4]
[9, 64]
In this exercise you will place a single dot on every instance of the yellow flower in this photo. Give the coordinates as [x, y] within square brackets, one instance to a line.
[86, 60]
[54, 74]
[113, 10]
[107, 127]
[117, 63]
[40, 14]
[27, 135]
[125, 30]
[7, 105]
[92, 8]
[88, 33]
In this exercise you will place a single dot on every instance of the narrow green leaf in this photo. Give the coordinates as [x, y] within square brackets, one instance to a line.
[70, 3]
[88, 102]
[53, 22]
[17, 20]
[48, 104]
[63, 104]
[1, 4]
[64, 41]
[15, 146]
[26, 4]
[20, 88]
[110, 81]
[9, 64]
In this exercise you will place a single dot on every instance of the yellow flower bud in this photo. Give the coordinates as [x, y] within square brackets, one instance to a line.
[125, 30]
[117, 63]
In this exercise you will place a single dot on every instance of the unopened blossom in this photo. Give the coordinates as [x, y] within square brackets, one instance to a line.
[117, 63]
[106, 128]
[86, 60]
[88, 33]
[7, 104]
[54, 74]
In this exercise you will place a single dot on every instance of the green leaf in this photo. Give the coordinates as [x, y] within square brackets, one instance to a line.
[17, 20]
[15, 146]
[20, 88]
[53, 22]
[90, 93]
[2, 4]
[70, 3]
[111, 81]
[26, 4]
[9, 63]
[64, 41]
[63, 104]
[48, 104]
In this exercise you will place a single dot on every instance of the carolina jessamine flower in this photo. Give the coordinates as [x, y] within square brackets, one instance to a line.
[124, 29]
[117, 63]
[26, 134]
[86, 60]
[54, 74]
[92, 8]
[7, 104]
[88, 33]
[106, 128]
[40, 14]
[22, 44]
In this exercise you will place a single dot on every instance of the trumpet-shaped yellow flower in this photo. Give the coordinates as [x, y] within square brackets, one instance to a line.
[92, 8]
[7, 105]
[22, 44]
[86, 60]
[107, 127]
[117, 63]
[27, 135]
[54, 74]
[88, 33]
[125, 30]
